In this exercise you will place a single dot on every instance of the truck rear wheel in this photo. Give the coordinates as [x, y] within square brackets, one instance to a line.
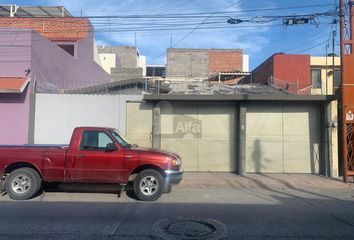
[148, 185]
[22, 183]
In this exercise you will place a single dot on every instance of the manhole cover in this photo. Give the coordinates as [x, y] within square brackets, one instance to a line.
[189, 228]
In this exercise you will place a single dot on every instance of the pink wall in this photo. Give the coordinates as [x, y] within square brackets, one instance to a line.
[23, 49]
[14, 115]
[15, 59]
[15, 52]
[52, 64]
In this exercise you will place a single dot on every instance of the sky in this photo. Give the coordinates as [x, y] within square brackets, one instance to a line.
[155, 25]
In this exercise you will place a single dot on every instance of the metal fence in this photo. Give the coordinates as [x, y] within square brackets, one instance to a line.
[188, 87]
[295, 88]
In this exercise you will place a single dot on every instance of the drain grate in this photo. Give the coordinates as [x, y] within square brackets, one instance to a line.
[190, 229]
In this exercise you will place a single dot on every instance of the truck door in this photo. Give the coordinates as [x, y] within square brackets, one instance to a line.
[92, 163]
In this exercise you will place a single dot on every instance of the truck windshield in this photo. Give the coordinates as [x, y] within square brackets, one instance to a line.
[122, 141]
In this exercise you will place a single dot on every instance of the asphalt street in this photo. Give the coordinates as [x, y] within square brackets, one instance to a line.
[203, 206]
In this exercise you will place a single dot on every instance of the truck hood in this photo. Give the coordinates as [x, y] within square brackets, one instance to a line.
[157, 151]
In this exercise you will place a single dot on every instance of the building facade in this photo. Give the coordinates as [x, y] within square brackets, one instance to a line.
[301, 74]
[51, 52]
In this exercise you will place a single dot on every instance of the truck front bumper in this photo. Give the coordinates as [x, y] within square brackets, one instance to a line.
[173, 176]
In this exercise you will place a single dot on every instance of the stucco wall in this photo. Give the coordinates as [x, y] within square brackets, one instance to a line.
[52, 64]
[15, 52]
[14, 114]
[108, 61]
[15, 60]
[56, 115]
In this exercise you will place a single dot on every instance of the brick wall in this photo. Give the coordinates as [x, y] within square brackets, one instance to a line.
[225, 61]
[293, 68]
[54, 29]
[287, 71]
[262, 73]
[187, 62]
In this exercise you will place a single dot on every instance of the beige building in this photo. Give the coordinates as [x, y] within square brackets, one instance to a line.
[326, 78]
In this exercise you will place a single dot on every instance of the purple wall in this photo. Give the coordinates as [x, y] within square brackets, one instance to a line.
[23, 49]
[15, 59]
[14, 112]
[15, 52]
[53, 65]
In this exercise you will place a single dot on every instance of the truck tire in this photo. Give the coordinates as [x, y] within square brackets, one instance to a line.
[22, 183]
[148, 185]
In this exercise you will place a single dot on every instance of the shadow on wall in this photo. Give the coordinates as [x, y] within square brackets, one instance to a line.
[259, 163]
[14, 97]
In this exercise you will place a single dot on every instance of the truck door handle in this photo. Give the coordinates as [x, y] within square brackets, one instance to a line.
[80, 156]
[128, 156]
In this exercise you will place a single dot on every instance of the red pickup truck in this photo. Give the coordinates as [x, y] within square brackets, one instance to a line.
[94, 155]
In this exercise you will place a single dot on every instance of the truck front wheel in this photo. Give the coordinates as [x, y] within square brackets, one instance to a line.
[22, 183]
[148, 185]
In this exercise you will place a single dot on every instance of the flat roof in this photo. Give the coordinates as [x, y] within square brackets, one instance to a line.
[238, 97]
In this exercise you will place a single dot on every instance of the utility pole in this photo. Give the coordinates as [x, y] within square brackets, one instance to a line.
[334, 33]
[341, 100]
[347, 88]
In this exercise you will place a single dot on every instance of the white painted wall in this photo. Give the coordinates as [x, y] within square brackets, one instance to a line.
[95, 53]
[142, 64]
[246, 63]
[56, 115]
[107, 61]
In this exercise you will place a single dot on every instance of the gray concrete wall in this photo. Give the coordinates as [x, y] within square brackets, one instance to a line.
[187, 63]
[118, 74]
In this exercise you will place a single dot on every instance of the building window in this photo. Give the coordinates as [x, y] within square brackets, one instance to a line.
[155, 71]
[68, 48]
[316, 78]
[337, 78]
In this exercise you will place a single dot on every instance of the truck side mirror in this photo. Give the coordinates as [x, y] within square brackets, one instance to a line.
[111, 147]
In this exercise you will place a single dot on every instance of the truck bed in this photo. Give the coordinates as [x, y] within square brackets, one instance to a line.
[49, 159]
[62, 146]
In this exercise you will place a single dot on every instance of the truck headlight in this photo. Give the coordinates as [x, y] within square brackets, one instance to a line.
[176, 162]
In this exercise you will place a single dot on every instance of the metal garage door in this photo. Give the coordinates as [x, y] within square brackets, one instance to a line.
[204, 135]
[139, 123]
[282, 139]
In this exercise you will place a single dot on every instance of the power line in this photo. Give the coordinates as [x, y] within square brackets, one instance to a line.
[201, 14]
[193, 30]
